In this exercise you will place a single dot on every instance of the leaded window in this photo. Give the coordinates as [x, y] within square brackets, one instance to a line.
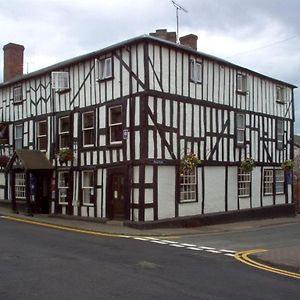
[20, 187]
[63, 186]
[188, 186]
[88, 187]
[64, 132]
[244, 183]
[115, 124]
[42, 139]
[88, 129]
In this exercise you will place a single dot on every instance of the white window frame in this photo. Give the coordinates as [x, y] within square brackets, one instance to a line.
[62, 189]
[63, 133]
[279, 134]
[18, 139]
[195, 71]
[41, 136]
[280, 94]
[279, 181]
[241, 83]
[112, 125]
[268, 182]
[18, 95]
[20, 186]
[85, 129]
[87, 187]
[240, 129]
[60, 80]
[105, 68]
[188, 186]
[244, 183]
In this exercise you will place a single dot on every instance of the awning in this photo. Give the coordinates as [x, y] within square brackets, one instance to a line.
[29, 160]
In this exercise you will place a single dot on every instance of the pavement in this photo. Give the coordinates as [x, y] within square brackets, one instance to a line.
[285, 258]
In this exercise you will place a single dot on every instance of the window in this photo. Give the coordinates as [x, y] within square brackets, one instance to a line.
[64, 132]
[88, 187]
[280, 94]
[18, 98]
[196, 71]
[279, 134]
[244, 183]
[42, 139]
[268, 182]
[188, 186]
[20, 190]
[63, 186]
[115, 124]
[105, 68]
[279, 181]
[240, 129]
[19, 137]
[60, 80]
[241, 83]
[88, 128]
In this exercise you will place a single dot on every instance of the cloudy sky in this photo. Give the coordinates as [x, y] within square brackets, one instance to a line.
[263, 35]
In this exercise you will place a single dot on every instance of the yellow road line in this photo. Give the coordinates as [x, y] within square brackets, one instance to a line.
[243, 257]
[91, 232]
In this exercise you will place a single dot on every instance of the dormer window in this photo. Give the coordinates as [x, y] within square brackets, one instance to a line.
[105, 68]
[241, 83]
[18, 98]
[195, 71]
[60, 80]
[280, 94]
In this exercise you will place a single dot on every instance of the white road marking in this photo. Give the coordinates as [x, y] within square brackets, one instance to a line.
[177, 245]
[158, 242]
[229, 251]
[213, 251]
[194, 248]
[206, 248]
[229, 254]
[188, 245]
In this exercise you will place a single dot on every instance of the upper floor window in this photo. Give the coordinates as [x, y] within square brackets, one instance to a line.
[244, 183]
[42, 132]
[88, 187]
[195, 71]
[105, 68]
[188, 186]
[64, 132]
[18, 97]
[279, 134]
[19, 137]
[60, 80]
[115, 124]
[240, 129]
[280, 94]
[88, 129]
[241, 83]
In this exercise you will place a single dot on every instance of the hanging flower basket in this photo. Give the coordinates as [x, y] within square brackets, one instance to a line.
[4, 161]
[248, 164]
[287, 165]
[65, 155]
[189, 163]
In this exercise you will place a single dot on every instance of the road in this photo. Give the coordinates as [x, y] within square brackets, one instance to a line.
[44, 263]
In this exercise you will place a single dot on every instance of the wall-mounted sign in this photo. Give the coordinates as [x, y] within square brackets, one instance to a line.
[125, 134]
[157, 162]
[4, 133]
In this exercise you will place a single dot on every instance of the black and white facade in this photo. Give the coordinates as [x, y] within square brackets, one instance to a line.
[130, 112]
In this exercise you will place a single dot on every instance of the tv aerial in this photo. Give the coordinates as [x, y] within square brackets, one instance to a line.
[178, 7]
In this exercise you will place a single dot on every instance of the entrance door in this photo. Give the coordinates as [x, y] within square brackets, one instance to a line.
[42, 193]
[116, 209]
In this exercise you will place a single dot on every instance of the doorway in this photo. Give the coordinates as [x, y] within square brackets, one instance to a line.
[43, 180]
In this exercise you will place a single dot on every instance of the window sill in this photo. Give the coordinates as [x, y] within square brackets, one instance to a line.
[195, 81]
[104, 79]
[243, 93]
[246, 196]
[62, 91]
[88, 204]
[117, 145]
[280, 102]
[187, 201]
[18, 102]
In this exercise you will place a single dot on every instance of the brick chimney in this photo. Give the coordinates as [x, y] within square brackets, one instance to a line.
[189, 40]
[165, 35]
[13, 61]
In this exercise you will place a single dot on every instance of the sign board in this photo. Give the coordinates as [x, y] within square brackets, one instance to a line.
[125, 134]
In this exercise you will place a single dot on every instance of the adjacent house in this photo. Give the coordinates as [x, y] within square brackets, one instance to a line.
[103, 135]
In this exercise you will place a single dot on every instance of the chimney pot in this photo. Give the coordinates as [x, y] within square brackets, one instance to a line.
[13, 61]
[189, 40]
[165, 35]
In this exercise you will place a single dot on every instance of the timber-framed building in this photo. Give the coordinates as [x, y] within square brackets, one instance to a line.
[129, 113]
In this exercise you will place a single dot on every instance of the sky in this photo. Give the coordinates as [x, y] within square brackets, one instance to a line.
[262, 35]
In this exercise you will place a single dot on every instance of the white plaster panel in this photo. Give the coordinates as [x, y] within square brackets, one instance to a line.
[148, 196]
[149, 215]
[84, 212]
[256, 180]
[149, 174]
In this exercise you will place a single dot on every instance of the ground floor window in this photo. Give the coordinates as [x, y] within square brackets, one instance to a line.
[188, 186]
[63, 186]
[20, 187]
[88, 187]
[244, 183]
[279, 181]
[268, 182]
[273, 181]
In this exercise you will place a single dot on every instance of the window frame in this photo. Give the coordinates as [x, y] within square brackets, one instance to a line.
[281, 192]
[20, 186]
[18, 94]
[280, 94]
[188, 185]
[102, 68]
[241, 83]
[279, 134]
[65, 187]
[85, 129]
[64, 133]
[268, 185]
[245, 184]
[39, 136]
[90, 187]
[19, 138]
[242, 130]
[274, 182]
[60, 77]
[196, 71]
[112, 125]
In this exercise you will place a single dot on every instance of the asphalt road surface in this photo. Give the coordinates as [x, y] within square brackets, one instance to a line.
[42, 263]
